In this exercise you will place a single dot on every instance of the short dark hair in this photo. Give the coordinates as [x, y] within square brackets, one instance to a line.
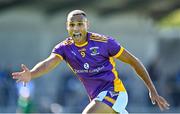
[76, 12]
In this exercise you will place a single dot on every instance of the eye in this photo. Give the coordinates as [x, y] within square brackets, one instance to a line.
[71, 25]
[80, 24]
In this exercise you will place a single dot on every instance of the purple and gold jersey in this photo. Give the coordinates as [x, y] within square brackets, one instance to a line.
[93, 62]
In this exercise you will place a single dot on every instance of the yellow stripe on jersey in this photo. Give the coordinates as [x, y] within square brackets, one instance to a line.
[98, 37]
[118, 85]
[119, 53]
[71, 68]
[99, 40]
[81, 44]
[59, 56]
[111, 100]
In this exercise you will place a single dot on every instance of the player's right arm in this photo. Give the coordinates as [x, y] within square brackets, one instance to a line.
[38, 70]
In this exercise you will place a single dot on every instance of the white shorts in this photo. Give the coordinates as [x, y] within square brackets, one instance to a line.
[116, 100]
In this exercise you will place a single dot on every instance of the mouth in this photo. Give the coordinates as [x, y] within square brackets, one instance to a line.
[77, 35]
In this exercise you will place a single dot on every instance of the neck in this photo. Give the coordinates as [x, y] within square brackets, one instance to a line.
[82, 43]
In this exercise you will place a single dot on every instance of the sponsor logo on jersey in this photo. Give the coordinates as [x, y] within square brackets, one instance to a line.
[87, 70]
[86, 66]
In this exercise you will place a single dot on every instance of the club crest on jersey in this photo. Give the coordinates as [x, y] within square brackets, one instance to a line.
[94, 51]
[86, 66]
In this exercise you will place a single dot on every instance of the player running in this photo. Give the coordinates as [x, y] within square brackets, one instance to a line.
[91, 57]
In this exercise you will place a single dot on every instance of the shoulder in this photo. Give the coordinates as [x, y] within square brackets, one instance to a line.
[98, 37]
[66, 42]
[101, 38]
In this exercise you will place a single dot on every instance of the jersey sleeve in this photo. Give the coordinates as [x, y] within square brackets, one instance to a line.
[114, 48]
[59, 50]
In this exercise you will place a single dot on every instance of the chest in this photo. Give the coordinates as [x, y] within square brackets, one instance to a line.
[93, 54]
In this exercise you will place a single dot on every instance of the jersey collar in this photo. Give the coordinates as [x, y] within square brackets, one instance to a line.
[85, 43]
[81, 44]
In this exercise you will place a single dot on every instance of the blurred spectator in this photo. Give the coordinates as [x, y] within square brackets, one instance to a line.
[153, 69]
[175, 82]
[8, 91]
[73, 92]
[25, 102]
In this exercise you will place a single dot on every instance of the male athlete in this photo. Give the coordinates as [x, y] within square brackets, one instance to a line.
[91, 57]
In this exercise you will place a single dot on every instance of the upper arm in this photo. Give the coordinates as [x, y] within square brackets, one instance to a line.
[113, 47]
[117, 51]
[127, 57]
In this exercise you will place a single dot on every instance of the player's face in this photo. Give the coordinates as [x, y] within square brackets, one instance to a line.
[77, 28]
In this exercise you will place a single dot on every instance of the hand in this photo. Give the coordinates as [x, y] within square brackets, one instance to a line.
[159, 100]
[23, 76]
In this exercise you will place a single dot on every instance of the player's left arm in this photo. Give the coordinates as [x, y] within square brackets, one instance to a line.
[135, 63]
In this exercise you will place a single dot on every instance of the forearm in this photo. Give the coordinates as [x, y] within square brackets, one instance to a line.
[44, 67]
[143, 74]
[39, 70]
[128, 58]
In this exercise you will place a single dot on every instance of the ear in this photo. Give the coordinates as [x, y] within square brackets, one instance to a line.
[88, 24]
[66, 25]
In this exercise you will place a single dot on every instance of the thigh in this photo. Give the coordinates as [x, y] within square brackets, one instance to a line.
[98, 107]
[117, 101]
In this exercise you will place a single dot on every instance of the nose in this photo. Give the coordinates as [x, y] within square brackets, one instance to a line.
[76, 28]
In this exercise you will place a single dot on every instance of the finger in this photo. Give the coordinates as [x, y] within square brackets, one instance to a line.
[24, 84]
[160, 106]
[168, 104]
[16, 77]
[164, 103]
[17, 81]
[15, 73]
[153, 101]
[165, 106]
[24, 67]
